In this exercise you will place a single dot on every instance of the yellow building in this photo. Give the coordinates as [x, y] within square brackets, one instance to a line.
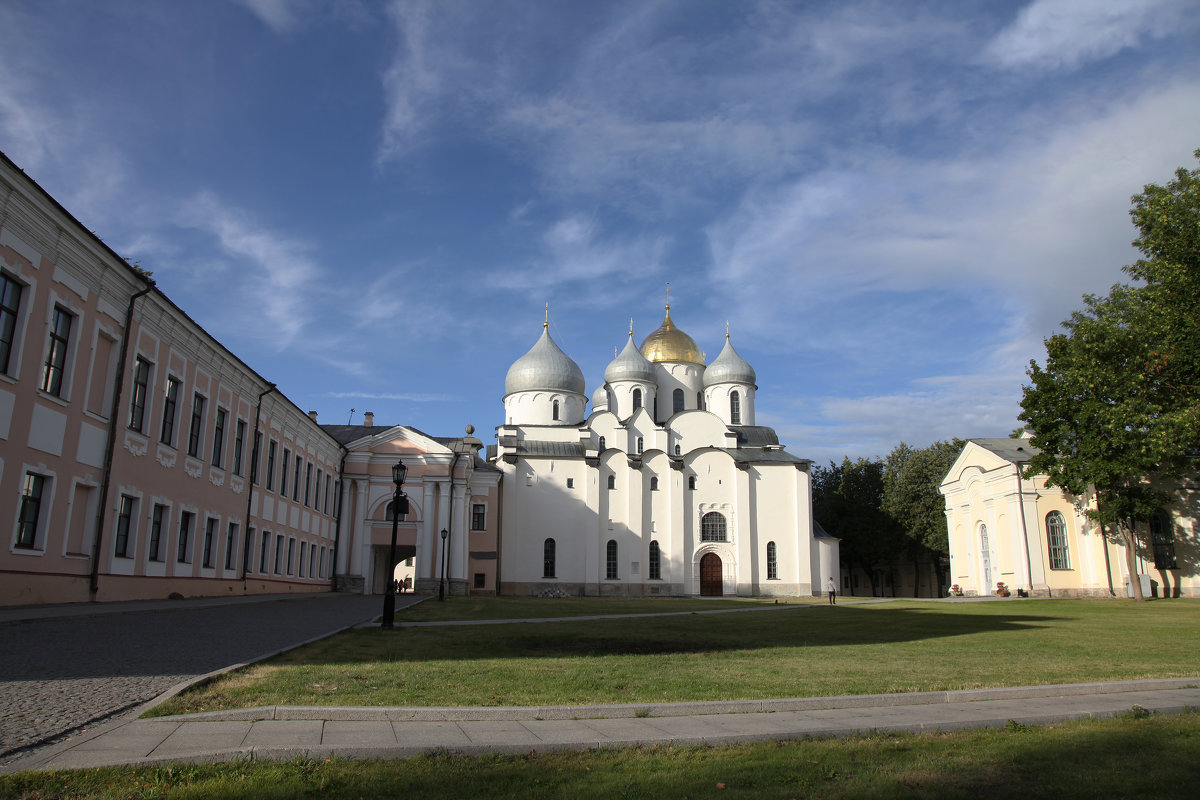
[1035, 539]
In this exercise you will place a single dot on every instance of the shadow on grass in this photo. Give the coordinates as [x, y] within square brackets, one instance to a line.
[815, 627]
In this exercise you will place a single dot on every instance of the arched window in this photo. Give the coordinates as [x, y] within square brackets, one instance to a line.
[637, 399]
[772, 563]
[610, 570]
[655, 561]
[1162, 536]
[391, 512]
[1056, 533]
[602, 444]
[548, 559]
[612, 481]
[735, 409]
[700, 400]
[677, 450]
[654, 484]
[639, 444]
[712, 527]
[677, 401]
[556, 410]
[691, 481]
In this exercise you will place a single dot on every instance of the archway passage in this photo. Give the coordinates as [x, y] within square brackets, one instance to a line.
[711, 582]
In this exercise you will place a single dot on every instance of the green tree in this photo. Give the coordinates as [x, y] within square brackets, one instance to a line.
[911, 477]
[847, 501]
[1117, 400]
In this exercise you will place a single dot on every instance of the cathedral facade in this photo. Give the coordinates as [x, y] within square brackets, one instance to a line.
[666, 487]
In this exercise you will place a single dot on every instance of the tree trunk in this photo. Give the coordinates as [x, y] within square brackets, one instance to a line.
[1131, 559]
[916, 578]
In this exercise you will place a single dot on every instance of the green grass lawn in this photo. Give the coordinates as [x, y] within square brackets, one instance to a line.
[465, 608]
[778, 652]
[1153, 756]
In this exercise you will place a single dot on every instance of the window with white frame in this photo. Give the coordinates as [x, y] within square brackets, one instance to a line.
[210, 535]
[478, 516]
[239, 443]
[10, 309]
[196, 431]
[30, 518]
[1056, 534]
[231, 545]
[141, 389]
[55, 367]
[712, 527]
[610, 560]
[170, 411]
[1162, 537]
[735, 408]
[157, 520]
[184, 554]
[655, 567]
[218, 448]
[772, 562]
[126, 515]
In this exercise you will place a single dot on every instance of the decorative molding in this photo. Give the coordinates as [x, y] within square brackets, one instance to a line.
[237, 483]
[167, 456]
[193, 467]
[136, 443]
[216, 477]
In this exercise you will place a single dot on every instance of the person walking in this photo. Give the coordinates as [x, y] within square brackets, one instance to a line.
[832, 591]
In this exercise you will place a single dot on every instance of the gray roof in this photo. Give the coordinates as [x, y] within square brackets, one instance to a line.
[755, 435]
[535, 447]
[1018, 451]
[729, 367]
[755, 455]
[544, 367]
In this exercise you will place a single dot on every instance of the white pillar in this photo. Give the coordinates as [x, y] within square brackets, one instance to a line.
[362, 551]
[429, 532]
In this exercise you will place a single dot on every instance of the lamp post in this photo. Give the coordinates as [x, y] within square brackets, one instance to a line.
[442, 582]
[399, 506]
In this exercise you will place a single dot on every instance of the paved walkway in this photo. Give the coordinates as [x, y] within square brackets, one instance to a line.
[284, 732]
[67, 666]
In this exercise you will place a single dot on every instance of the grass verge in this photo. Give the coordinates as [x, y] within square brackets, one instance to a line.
[801, 652]
[1153, 756]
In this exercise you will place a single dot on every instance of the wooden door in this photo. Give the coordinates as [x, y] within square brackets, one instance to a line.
[711, 581]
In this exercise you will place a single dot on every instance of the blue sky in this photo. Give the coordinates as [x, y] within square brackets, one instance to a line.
[370, 203]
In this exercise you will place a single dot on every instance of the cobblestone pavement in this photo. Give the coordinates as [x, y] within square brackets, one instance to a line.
[58, 675]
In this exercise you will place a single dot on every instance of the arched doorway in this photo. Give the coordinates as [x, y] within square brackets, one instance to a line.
[711, 580]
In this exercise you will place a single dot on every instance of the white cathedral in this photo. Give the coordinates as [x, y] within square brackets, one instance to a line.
[666, 488]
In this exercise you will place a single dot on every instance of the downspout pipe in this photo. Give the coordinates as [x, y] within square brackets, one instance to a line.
[250, 486]
[337, 520]
[110, 445]
[1024, 532]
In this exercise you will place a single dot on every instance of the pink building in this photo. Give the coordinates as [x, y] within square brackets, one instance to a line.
[138, 456]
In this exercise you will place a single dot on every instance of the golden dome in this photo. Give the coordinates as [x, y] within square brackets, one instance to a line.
[668, 343]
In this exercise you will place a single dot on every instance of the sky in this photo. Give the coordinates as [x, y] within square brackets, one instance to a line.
[892, 204]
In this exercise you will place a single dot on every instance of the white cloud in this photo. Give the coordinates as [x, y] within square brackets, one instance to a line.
[278, 15]
[274, 274]
[1062, 34]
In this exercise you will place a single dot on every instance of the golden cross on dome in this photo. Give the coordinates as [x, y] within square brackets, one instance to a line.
[631, 327]
[546, 324]
[726, 329]
[668, 295]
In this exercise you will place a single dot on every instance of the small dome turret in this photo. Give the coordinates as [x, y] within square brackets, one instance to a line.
[545, 367]
[729, 367]
[630, 365]
[600, 398]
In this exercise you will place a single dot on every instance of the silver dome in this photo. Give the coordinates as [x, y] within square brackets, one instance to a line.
[630, 365]
[545, 367]
[729, 367]
[599, 398]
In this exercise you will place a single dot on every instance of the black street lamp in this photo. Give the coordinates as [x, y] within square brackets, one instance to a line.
[399, 506]
[442, 583]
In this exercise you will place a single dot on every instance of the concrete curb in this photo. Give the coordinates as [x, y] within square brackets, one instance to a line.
[642, 710]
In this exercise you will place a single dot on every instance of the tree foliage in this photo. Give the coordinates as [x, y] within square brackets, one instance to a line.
[847, 500]
[1117, 401]
[911, 497]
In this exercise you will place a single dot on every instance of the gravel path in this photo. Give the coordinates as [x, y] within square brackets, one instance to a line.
[58, 675]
